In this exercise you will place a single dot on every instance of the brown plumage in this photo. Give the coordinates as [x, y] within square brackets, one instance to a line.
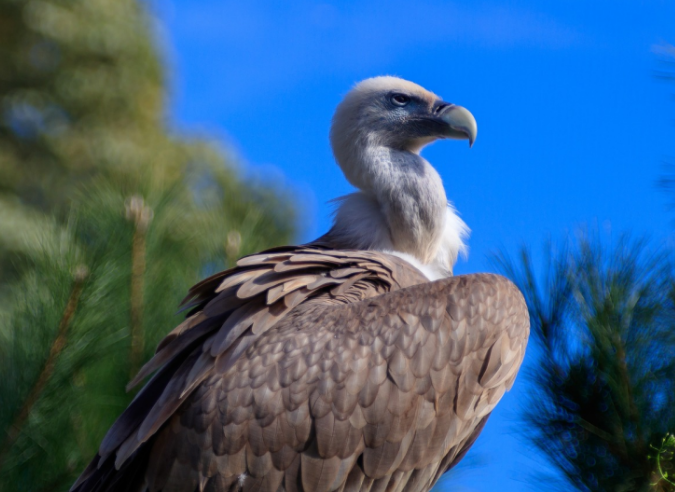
[317, 368]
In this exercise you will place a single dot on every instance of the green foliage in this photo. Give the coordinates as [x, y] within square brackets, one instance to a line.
[81, 93]
[107, 218]
[664, 462]
[82, 101]
[604, 386]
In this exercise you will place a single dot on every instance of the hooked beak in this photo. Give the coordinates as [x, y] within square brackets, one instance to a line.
[460, 123]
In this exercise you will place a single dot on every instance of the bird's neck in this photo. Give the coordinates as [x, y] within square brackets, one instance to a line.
[401, 206]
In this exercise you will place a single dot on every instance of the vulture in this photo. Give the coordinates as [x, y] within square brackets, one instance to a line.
[356, 362]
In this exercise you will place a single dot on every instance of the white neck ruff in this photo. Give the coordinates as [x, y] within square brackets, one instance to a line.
[359, 223]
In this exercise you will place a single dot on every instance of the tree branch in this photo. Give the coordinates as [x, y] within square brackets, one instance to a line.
[59, 343]
[141, 215]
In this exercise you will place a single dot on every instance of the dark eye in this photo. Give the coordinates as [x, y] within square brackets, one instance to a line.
[400, 99]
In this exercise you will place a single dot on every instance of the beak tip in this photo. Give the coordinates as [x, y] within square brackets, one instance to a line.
[461, 122]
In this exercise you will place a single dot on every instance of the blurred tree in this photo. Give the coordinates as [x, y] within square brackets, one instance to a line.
[81, 93]
[603, 320]
[82, 98]
[106, 219]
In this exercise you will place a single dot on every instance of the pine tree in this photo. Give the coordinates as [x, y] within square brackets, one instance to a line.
[82, 94]
[107, 219]
[603, 319]
[82, 99]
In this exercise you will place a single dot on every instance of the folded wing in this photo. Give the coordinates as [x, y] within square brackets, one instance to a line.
[315, 370]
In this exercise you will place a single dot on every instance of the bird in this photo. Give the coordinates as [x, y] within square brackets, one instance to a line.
[355, 362]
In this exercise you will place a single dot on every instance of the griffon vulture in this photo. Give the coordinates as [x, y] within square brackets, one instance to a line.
[354, 363]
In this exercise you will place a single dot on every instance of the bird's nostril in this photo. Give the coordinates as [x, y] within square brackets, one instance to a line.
[442, 106]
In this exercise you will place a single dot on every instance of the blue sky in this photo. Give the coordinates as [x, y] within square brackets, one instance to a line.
[574, 127]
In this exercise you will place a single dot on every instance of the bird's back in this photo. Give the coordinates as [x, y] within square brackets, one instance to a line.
[310, 369]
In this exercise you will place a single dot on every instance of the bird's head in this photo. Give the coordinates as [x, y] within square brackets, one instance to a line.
[393, 113]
